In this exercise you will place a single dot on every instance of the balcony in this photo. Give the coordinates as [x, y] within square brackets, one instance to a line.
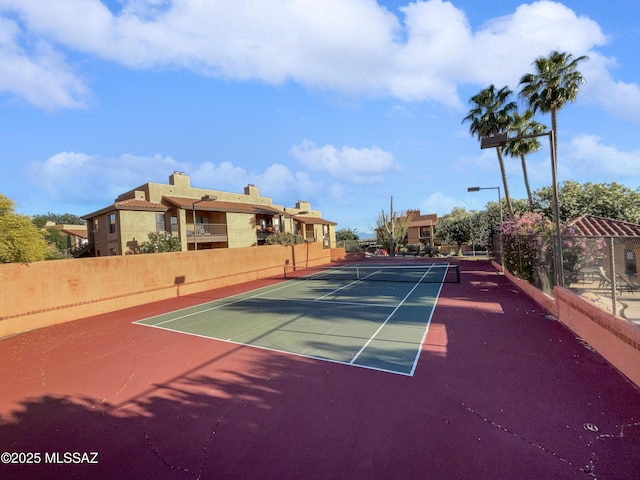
[263, 233]
[207, 232]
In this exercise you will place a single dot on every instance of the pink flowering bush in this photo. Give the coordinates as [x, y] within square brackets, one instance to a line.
[525, 251]
[527, 243]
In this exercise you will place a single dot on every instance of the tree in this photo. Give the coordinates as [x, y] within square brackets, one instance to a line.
[57, 240]
[20, 240]
[59, 219]
[608, 200]
[556, 82]
[523, 125]
[347, 234]
[527, 242]
[491, 115]
[160, 242]
[392, 228]
[455, 228]
[480, 229]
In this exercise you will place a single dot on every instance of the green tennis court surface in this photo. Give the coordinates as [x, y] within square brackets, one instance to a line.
[379, 325]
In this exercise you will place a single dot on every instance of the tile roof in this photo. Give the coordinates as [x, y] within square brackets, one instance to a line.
[130, 204]
[222, 206]
[591, 225]
[314, 220]
[75, 232]
[133, 204]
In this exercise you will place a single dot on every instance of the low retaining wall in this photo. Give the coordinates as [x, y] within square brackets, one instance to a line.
[39, 294]
[613, 337]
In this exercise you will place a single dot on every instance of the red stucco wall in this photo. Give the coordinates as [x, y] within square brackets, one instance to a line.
[38, 294]
[613, 337]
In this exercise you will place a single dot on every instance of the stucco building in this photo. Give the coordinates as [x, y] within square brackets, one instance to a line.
[421, 228]
[200, 218]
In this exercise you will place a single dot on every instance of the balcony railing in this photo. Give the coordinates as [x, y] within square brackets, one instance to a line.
[263, 233]
[207, 232]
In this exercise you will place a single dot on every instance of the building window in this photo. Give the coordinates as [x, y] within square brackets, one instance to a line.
[174, 224]
[160, 222]
[96, 223]
[112, 223]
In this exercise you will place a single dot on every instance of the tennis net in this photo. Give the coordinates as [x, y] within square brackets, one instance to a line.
[434, 273]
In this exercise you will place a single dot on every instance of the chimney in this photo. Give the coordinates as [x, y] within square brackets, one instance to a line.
[180, 179]
[252, 190]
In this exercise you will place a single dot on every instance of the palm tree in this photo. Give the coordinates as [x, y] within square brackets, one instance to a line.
[524, 125]
[556, 82]
[491, 115]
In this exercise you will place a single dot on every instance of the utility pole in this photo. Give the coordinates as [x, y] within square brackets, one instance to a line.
[393, 230]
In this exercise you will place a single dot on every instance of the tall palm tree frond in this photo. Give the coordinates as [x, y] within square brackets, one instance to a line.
[522, 126]
[491, 115]
[556, 82]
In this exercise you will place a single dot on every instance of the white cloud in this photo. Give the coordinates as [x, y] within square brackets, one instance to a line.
[285, 186]
[620, 99]
[225, 176]
[587, 155]
[352, 46]
[39, 75]
[439, 203]
[358, 165]
[337, 193]
[72, 176]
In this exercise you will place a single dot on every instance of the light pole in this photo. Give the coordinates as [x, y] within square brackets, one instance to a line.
[477, 189]
[500, 141]
[193, 211]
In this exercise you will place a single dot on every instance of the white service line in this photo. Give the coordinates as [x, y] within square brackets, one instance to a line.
[221, 305]
[331, 302]
[387, 319]
[336, 290]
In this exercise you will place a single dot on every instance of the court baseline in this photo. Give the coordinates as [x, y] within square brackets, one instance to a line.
[320, 320]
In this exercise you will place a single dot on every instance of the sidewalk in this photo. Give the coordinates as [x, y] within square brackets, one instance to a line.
[501, 391]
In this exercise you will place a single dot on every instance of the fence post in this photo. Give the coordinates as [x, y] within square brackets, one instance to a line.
[612, 270]
[558, 262]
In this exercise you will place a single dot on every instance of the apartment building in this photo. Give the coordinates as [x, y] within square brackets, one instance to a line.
[421, 228]
[200, 218]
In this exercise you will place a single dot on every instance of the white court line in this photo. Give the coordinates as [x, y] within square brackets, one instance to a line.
[262, 291]
[387, 319]
[311, 357]
[331, 302]
[336, 290]
[217, 306]
[426, 331]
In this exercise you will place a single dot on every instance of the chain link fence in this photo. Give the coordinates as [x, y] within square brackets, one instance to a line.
[604, 270]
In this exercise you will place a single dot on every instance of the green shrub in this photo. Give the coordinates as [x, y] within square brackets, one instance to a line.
[284, 238]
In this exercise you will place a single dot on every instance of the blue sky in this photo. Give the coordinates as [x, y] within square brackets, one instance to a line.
[343, 103]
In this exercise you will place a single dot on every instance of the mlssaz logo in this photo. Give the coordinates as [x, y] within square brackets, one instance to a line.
[71, 457]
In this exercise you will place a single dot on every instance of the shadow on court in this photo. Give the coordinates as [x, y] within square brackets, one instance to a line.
[501, 391]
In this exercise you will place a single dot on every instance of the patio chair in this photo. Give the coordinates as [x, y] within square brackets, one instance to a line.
[603, 280]
[626, 285]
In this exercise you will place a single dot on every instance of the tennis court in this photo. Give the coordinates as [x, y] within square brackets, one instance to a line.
[374, 317]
